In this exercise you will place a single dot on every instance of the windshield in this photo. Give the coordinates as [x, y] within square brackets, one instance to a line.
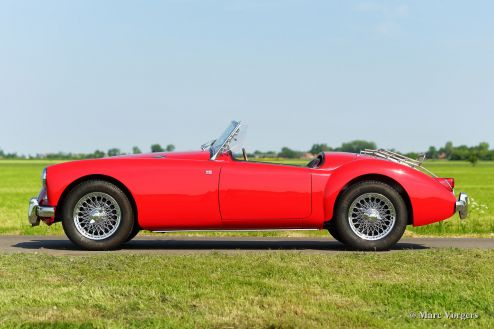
[230, 140]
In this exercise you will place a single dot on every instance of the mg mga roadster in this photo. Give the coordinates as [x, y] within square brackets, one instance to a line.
[364, 200]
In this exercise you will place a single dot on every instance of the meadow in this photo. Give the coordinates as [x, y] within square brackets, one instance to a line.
[271, 289]
[20, 180]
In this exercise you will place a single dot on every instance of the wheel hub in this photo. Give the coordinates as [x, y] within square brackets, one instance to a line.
[97, 216]
[371, 215]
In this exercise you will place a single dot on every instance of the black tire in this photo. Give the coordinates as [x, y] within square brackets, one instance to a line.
[361, 191]
[121, 231]
[333, 230]
[135, 230]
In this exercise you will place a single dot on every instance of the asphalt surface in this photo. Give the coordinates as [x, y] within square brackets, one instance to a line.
[156, 244]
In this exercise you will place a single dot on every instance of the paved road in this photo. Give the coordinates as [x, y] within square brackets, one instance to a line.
[60, 245]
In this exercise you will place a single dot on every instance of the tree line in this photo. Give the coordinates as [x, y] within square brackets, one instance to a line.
[93, 155]
[447, 152]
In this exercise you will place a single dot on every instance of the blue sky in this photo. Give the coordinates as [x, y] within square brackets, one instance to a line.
[84, 75]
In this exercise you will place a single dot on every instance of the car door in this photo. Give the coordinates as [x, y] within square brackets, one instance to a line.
[177, 194]
[252, 191]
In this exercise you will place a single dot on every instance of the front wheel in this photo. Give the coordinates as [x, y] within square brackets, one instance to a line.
[134, 232]
[371, 215]
[97, 215]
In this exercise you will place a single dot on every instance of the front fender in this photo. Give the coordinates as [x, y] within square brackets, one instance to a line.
[431, 201]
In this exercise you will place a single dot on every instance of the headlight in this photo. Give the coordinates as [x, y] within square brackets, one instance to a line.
[43, 178]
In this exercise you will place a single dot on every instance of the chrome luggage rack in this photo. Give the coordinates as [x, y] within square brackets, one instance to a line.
[399, 158]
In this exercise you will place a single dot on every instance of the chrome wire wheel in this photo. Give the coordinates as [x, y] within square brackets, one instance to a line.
[97, 216]
[372, 216]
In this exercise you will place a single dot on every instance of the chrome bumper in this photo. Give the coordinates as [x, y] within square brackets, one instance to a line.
[36, 212]
[462, 205]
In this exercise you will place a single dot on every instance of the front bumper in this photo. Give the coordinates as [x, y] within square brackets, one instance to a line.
[36, 212]
[462, 205]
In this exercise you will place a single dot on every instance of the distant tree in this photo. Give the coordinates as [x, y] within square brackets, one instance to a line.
[2, 154]
[113, 152]
[170, 148]
[449, 149]
[489, 155]
[267, 154]
[356, 146]
[473, 157]
[12, 156]
[99, 154]
[289, 153]
[483, 146]
[136, 150]
[413, 155]
[432, 153]
[318, 148]
[157, 148]
[483, 150]
[461, 152]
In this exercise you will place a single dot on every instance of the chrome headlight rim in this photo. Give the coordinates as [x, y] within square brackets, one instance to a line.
[43, 178]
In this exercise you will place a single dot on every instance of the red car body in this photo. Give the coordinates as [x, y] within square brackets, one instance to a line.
[191, 191]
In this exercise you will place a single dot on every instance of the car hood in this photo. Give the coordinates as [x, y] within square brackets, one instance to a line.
[102, 162]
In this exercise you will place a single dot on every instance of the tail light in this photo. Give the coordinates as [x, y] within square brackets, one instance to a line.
[447, 182]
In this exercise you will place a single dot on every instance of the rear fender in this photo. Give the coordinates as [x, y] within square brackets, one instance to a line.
[429, 201]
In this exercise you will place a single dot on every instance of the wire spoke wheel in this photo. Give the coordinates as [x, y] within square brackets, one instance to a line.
[372, 216]
[97, 216]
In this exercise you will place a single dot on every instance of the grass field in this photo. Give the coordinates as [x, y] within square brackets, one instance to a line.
[19, 180]
[251, 290]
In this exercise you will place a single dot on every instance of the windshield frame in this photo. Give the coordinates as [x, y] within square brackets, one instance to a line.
[222, 144]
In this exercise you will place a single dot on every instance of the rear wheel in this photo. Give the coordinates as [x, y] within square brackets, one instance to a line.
[97, 215]
[370, 215]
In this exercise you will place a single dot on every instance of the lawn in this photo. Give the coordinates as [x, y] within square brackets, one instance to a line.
[273, 289]
[19, 180]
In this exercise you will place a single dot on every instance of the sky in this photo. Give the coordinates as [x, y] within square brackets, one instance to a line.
[81, 75]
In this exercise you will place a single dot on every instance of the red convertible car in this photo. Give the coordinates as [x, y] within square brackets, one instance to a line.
[364, 200]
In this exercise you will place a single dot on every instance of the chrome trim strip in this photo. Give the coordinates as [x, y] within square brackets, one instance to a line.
[43, 178]
[246, 230]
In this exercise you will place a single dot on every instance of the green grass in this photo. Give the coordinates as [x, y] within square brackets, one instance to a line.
[19, 180]
[250, 290]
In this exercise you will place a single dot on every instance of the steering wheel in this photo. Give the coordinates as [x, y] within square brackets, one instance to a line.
[244, 154]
